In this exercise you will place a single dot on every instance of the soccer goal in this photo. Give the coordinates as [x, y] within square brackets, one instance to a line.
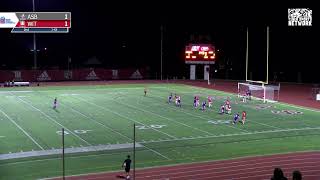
[266, 93]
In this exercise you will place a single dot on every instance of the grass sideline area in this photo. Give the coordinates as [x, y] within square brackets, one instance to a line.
[104, 115]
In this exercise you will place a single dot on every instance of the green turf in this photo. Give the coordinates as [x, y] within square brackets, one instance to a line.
[178, 135]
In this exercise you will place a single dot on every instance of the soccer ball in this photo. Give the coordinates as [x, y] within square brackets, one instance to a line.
[128, 177]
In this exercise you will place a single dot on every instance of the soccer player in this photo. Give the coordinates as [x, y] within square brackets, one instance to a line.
[244, 115]
[222, 109]
[55, 102]
[244, 99]
[203, 105]
[235, 118]
[179, 101]
[176, 99]
[227, 103]
[195, 102]
[228, 109]
[248, 94]
[126, 165]
[210, 101]
[145, 91]
[170, 98]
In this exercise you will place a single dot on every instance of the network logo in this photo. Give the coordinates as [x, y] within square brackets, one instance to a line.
[300, 17]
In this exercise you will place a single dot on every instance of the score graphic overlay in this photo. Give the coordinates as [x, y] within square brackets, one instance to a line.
[36, 22]
[200, 54]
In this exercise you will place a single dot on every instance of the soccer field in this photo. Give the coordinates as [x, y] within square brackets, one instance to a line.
[98, 121]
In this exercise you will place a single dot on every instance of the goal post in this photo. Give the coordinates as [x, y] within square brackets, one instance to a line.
[266, 79]
[259, 91]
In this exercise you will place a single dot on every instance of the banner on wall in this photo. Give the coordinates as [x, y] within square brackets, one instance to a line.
[71, 75]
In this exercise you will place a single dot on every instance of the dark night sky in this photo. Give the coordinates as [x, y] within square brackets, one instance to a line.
[102, 29]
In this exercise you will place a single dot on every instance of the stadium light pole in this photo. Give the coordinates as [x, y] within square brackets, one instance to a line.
[34, 42]
[134, 151]
[63, 160]
[161, 53]
[247, 54]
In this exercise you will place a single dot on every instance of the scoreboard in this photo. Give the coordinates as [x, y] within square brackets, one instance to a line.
[36, 22]
[200, 54]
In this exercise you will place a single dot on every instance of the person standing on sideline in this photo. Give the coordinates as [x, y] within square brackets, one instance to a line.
[55, 102]
[145, 91]
[126, 165]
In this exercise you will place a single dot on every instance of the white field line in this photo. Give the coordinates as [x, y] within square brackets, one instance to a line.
[113, 130]
[28, 135]
[92, 119]
[235, 95]
[70, 150]
[133, 121]
[123, 116]
[48, 117]
[167, 158]
[299, 107]
[169, 119]
[236, 134]
[117, 132]
[4, 92]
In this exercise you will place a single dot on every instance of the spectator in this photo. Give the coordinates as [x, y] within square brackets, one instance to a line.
[278, 175]
[296, 175]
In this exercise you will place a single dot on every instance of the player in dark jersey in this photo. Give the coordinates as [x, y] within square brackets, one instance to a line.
[195, 102]
[203, 105]
[126, 165]
[235, 118]
[55, 102]
[170, 98]
[222, 109]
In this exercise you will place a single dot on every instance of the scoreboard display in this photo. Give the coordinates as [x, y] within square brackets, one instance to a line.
[200, 54]
[36, 22]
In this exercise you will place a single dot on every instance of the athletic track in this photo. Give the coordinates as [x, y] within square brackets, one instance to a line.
[249, 168]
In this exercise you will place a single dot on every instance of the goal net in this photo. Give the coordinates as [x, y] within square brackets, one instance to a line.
[266, 93]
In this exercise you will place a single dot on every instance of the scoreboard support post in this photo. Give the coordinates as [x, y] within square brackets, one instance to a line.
[192, 72]
[206, 72]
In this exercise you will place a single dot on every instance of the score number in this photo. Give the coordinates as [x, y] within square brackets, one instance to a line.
[66, 22]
